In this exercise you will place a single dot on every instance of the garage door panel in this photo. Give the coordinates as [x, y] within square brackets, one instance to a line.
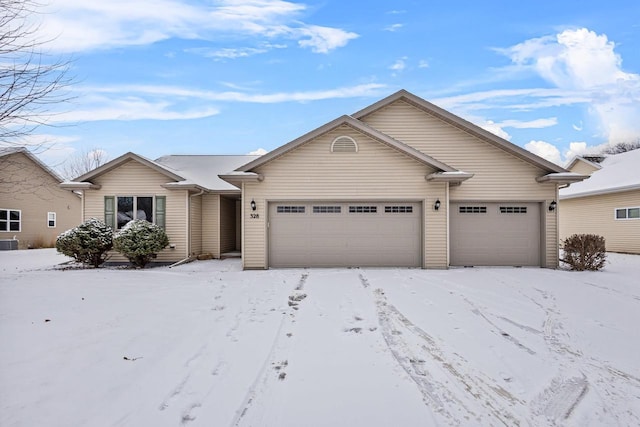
[497, 233]
[345, 234]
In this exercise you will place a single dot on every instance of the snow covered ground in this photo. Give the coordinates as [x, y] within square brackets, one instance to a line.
[206, 344]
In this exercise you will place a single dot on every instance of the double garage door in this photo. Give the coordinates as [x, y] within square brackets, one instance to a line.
[314, 234]
[506, 233]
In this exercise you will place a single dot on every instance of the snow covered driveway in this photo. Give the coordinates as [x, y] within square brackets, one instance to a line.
[206, 344]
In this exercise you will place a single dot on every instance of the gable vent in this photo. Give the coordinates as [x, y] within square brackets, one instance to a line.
[344, 144]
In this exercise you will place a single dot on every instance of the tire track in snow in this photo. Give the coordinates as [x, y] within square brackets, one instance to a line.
[453, 395]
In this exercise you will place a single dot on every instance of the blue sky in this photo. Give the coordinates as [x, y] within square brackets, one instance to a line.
[163, 77]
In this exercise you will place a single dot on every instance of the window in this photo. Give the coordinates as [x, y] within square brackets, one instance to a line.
[290, 209]
[513, 209]
[327, 209]
[51, 219]
[363, 209]
[628, 213]
[472, 209]
[398, 209]
[10, 220]
[119, 210]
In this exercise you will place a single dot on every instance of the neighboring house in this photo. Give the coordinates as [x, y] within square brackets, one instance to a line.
[33, 208]
[399, 183]
[199, 211]
[607, 204]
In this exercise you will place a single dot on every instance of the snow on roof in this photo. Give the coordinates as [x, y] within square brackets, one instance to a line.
[203, 170]
[618, 172]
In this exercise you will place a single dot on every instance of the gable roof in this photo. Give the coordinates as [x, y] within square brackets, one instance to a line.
[577, 159]
[182, 171]
[359, 126]
[618, 172]
[463, 125]
[203, 170]
[7, 151]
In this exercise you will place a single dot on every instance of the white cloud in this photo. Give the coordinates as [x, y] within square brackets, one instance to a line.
[423, 64]
[586, 65]
[530, 124]
[399, 65]
[233, 53]
[128, 108]
[393, 27]
[545, 150]
[80, 25]
[258, 152]
[495, 129]
[324, 39]
[577, 127]
[146, 102]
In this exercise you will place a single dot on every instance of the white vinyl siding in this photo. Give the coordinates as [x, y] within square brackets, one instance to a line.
[596, 215]
[311, 172]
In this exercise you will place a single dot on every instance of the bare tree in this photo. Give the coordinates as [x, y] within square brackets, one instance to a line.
[30, 82]
[622, 147]
[84, 161]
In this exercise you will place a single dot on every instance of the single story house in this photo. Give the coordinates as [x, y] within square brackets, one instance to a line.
[607, 204]
[399, 183]
[34, 210]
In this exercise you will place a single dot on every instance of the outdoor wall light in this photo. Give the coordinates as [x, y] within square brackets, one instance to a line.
[552, 206]
[436, 206]
[253, 205]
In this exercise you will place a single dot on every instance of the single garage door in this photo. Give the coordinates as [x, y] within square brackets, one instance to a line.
[495, 233]
[314, 234]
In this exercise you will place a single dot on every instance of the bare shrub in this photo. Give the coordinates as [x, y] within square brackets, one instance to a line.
[584, 252]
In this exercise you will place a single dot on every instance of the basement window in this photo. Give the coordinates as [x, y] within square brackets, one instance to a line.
[628, 213]
[513, 209]
[398, 209]
[472, 209]
[363, 209]
[290, 209]
[344, 144]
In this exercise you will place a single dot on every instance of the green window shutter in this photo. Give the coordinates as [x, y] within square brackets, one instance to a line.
[109, 211]
[161, 210]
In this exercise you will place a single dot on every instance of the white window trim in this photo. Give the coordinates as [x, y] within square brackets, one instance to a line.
[8, 230]
[51, 216]
[135, 205]
[615, 213]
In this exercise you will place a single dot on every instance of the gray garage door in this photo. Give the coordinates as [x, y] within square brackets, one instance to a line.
[495, 233]
[313, 234]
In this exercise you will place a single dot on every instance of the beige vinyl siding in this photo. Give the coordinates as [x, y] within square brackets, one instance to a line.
[596, 215]
[227, 225]
[26, 187]
[211, 224]
[583, 168]
[498, 175]
[195, 224]
[312, 172]
[134, 179]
